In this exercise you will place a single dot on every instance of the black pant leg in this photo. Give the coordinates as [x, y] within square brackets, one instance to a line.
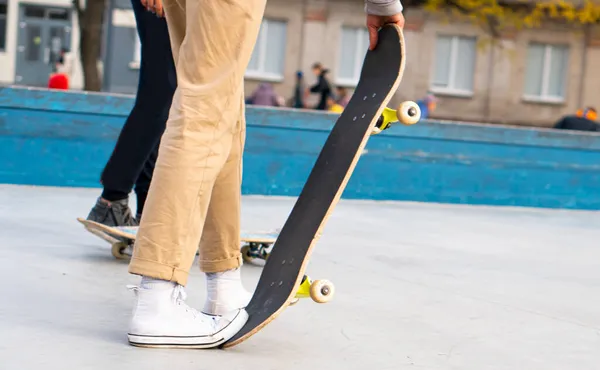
[146, 122]
[143, 182]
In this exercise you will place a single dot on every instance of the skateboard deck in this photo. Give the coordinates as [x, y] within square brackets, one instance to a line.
[121, 238]
[366, 114]
[255, 244]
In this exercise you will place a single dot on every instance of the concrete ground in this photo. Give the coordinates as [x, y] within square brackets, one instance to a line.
[418, 286]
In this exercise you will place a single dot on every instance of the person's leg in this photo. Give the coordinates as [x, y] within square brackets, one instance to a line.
[212, 43]
[221, 236]
[143, 182]
[145, 124]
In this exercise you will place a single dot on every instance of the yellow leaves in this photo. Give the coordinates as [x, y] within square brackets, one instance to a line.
[520, 14]
[584, 13]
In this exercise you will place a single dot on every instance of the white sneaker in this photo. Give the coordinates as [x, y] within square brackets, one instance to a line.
[161, 318]
[225, 293]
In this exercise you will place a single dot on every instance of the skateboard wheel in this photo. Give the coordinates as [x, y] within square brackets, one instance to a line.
[321, 291]
[245, 253]
[118, 251]
[408, 113]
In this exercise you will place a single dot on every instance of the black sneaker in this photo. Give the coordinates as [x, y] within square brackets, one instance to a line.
[116, 213]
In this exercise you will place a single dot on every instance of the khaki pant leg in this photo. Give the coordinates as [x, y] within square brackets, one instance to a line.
[203, 123]
[175, 15]
[220, 244]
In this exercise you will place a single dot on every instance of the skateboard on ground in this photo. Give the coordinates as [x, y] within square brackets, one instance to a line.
[283, 278]
[257, 245]
[121, 238]
[254, 246]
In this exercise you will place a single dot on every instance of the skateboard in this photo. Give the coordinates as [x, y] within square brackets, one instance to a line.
[255, 246]
[121, 238]
[282, 277]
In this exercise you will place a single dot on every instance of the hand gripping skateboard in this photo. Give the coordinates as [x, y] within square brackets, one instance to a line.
[366, 114]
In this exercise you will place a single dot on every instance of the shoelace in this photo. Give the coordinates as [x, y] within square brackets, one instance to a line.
[127, 218]
[179, 296]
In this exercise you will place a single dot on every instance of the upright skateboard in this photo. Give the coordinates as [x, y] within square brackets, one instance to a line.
[366, 114]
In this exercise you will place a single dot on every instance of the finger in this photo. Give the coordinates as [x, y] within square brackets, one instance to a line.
[144, 3]
[372, 37]
[158, 7]
[150, 5]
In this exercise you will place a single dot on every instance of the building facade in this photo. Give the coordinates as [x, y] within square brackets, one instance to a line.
[530, 77]
[32, 34]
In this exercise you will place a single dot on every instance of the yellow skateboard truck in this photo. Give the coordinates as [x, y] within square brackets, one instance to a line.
[320, 291]
[408, 113]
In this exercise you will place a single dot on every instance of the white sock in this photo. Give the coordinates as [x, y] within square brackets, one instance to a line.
[225, 292]
[221, 282]
[152, 283]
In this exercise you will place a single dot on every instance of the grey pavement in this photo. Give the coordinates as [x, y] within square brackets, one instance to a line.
[418, 286]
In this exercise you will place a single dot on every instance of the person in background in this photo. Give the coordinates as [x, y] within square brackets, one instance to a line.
[62, 69]
[427, 105]
[334, 106]
[342, 96]
[322, 87]
[58, 81]
[264, 95]
[132, 161]
[582, 120]
[298, 98]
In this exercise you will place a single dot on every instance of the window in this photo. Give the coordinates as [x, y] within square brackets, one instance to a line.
[137, 51]
[353, 47]
[546, 72]
[3, 11]
[267, 61]
[32, 11]
[454, 65]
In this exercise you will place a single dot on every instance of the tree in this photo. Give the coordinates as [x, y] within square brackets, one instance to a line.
[495, 16]
[90, 38]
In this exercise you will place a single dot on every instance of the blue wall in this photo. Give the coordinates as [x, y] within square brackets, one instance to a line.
[65, 138]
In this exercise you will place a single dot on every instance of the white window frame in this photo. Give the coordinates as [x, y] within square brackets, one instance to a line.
[261, 44]
[451, 90]
[544, 97]
[137, 52]
[5, 30]
[359, 57]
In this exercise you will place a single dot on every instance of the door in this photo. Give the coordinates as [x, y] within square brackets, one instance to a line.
[43, 33]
